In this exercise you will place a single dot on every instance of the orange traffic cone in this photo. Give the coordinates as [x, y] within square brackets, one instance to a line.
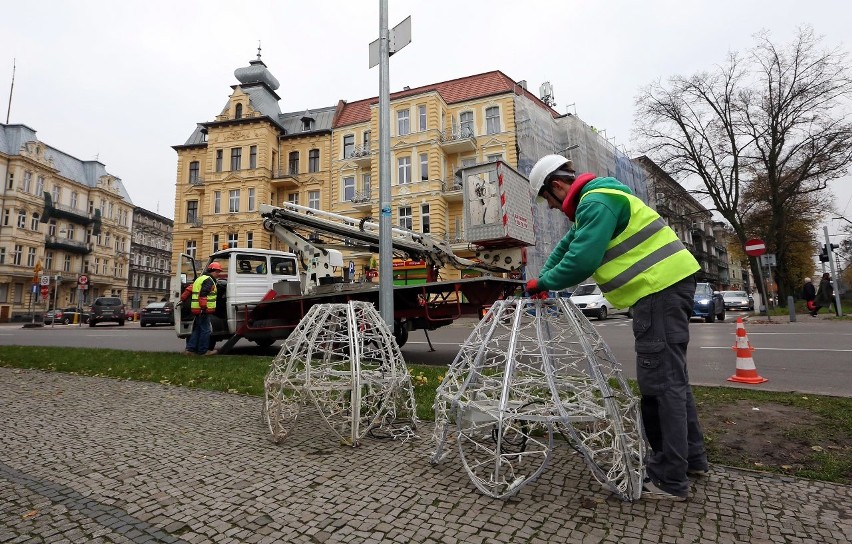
[746, 371]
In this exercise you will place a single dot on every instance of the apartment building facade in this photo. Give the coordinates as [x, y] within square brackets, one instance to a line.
[61, 216]
[150, 271]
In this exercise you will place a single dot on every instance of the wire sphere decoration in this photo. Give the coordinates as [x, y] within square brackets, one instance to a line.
[341, 359]
[532, 368]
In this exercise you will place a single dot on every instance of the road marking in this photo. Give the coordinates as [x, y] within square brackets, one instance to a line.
[779, 349]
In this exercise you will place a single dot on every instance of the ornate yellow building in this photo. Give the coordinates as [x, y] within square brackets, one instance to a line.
[68, 217]
[326, 158]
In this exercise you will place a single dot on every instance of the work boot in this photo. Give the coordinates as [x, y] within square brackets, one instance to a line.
[212, 352]
[190, 353]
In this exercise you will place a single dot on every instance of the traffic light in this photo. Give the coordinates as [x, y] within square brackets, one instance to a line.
[825, 250]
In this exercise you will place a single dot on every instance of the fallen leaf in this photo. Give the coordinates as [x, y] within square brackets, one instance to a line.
[816, 448]
[758, 464]
[786, 467]
[30, 514]
[755, 409]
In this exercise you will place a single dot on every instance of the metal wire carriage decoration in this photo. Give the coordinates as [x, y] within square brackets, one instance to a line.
[342, 359]
[530, 369]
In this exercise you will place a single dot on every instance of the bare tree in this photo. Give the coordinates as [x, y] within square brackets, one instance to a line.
[760, 132]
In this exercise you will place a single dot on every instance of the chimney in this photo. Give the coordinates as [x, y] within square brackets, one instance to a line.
[523, 84]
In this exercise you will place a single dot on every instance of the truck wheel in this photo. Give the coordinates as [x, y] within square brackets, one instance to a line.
[400, 333]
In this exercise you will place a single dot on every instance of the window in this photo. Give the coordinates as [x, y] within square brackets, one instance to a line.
[238, 111]
[293, 163]
[28, 181]
[22, 219]
[466, 124]
[31, 256]
[314, 199]
[34, 222]
[424, 166]
[190, 248]
[405, 217]
[48, 260]
[348, 188]
[366, 185]
[492, 175]
[218, 160]
[492, 120]
[293, 198]
[307, 124]
[249, 239]
[3, 261]
[191, 211]
[348, 145]
[56, 193]
[16, 255]
[403, 125]
[404, 170]
[424, 219]
[236, 158]
[51, 227]
[193, 172]
[253, 156]
[365, 141]
[217, 201]
[74, 199]
[313, 160]
[233, 239]
[421, 116]
[233, 200]
[66, 264]
[6, 217]
[251, 199]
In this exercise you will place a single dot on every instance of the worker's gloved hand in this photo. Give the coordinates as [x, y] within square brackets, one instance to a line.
[533, 290]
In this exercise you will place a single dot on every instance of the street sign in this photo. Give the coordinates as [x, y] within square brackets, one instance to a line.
[768, 259]
[351, 269]
[83, 280]
[44, 291]
[755, 247]
[45, 280]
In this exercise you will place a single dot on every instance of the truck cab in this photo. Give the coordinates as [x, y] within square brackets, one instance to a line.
[247, 277]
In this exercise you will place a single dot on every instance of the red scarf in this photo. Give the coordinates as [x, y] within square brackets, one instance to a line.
[572, 199]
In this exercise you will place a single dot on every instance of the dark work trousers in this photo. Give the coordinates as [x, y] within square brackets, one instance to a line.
[670, 420]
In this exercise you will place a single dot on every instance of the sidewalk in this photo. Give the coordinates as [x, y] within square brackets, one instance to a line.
[102, 460]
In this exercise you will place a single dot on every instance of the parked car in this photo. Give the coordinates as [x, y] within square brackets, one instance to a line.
[107, 309]
[589, 299]
[65, 316]
[708, 303]
[737, 300]
[156, 313]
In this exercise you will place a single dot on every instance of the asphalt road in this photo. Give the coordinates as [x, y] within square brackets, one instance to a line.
[809, 356]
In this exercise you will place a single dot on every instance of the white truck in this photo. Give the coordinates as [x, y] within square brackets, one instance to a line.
[263, 294]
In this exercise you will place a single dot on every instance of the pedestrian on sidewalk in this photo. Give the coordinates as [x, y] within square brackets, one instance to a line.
[202, 297]
[638, 261]
[809, 294]
[825, 294]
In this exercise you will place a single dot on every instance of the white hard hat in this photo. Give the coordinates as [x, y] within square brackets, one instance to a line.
[546, 166]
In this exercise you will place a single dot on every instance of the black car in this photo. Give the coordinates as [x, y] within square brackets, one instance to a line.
[65, 316]
[157, 313]
[107, 309]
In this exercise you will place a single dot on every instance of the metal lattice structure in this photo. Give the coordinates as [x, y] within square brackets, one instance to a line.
[342, 359]
[532, 368]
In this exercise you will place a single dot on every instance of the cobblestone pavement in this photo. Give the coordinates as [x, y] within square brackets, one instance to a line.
[102, 460]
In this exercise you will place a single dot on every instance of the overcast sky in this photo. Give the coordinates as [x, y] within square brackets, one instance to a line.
[124, 81]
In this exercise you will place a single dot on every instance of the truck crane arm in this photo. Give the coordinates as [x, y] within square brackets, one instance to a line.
[311, 225]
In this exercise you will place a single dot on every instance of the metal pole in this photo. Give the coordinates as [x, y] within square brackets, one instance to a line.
[830, 254]
[385, 263]
[764, 300]
[55, 289]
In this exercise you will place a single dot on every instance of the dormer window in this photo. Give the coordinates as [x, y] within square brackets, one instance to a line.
[307, 124]
[238, 111]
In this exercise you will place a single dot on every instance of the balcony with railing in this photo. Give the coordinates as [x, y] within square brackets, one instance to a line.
[61, 211]
[452, 190]
[285, 177]
[67, 244]
[195, 221]
[457, 140]
[360, 155]
[195, 181]
[361, 200]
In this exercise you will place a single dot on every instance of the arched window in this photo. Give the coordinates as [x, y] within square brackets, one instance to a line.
[238, 112]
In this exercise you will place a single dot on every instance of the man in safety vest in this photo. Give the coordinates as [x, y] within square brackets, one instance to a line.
[202, 297]
[637, 261]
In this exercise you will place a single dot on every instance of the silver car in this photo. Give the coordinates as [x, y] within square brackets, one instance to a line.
[737, 300]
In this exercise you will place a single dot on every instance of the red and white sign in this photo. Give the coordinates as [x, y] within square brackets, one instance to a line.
[755, 247]
[83, 280]
[44, 291]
